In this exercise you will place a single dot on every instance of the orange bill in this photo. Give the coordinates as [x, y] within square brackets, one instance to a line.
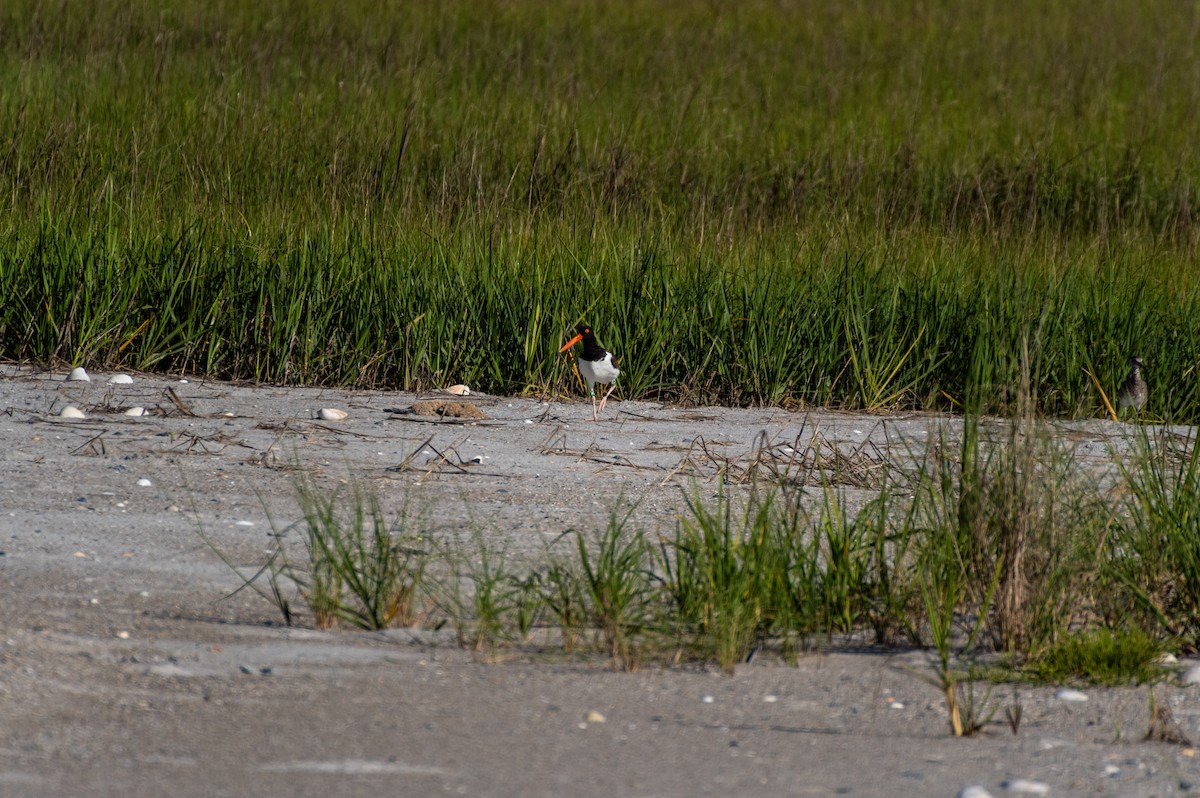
[571, 343]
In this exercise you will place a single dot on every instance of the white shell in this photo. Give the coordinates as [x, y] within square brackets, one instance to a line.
[1070, 694]
[120, 379]
[459, 390]
[135, 411]
[78, 374]
[71, 411]
[332, 414]
[144, 483]
[974, 791]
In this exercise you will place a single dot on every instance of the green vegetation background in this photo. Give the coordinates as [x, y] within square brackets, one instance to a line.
[850, 203]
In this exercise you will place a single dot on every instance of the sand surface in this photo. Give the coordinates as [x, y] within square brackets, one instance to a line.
[126, 670]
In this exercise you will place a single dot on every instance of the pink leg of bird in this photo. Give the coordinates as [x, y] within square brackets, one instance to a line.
[605, 399]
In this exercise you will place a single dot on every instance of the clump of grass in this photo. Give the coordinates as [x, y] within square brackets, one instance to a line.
[1155, 551]
[1099, 656]
[361, 569]
[615, 579]
[488, 598]
[726, 573]
[1022, 515]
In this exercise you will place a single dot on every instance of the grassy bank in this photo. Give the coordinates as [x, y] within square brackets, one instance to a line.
[855, 205]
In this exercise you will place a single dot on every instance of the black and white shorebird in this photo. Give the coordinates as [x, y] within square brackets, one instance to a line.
[596, 365]
[1134, 391]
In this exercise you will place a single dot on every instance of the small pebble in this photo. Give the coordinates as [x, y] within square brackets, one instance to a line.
[1027, 786]
[144, 483]
[123, 634]
[78, 374]
[332, 414]
[71, 411]
[707, 699]
[120, 379]
[974, 791]
[897, 705]
[136, 411]
[1069, 694]
[1112, 771]
[770, 699]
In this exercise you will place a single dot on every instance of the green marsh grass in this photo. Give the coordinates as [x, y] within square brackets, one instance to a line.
[860, 206]
[1100, 656]
[1156, 547]
[615, 572]
[362, 569]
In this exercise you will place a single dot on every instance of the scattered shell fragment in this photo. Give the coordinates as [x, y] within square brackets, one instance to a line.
[144, 483]
[459, 390]
[1027, 786]
[974, 791]
[595, 717]
[332, 414]
[78, 374]
[71, 411]
[707, 699]
[770, 699]
[124, 635]
[120, 379]
[135, 411]
[1070, 694]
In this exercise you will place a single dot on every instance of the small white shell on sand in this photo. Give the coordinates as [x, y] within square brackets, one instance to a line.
[974, 791]
[144, 483]
[459, 390]
[1070, 694]
[78, 374]
[135, 411]
[71, 411]
[120, 379]
[1027, 786]
[332, 414]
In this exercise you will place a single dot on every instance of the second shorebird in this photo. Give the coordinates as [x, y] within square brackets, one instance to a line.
[1134, 391]
[596, 365]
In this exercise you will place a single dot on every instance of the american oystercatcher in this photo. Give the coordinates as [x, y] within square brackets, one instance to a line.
[1134, 391]
[596, 364]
